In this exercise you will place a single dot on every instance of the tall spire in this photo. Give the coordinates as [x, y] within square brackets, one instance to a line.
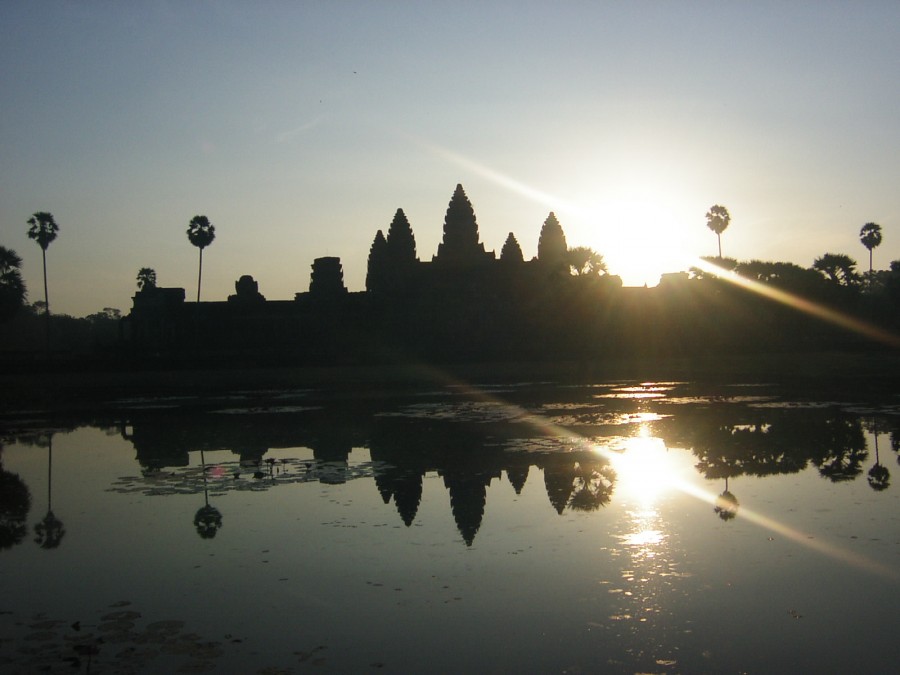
[401, 243]
[375, 275]
[511, 251]
[460, 231]
[552, 246]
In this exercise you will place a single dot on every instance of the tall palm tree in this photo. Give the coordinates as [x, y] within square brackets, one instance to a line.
[43, 229]
[870, 236]
[717, 219]
[200, 233]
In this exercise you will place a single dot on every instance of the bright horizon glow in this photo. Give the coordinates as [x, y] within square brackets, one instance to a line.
[639, 235]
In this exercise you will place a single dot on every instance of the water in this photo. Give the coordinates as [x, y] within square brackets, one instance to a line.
[662, 527]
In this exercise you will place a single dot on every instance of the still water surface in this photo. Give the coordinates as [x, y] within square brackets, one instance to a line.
[656, 527]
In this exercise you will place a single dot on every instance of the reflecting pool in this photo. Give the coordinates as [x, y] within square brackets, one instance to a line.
[537, 527]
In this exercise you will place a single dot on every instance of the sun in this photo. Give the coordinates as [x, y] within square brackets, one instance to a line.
[641, 233]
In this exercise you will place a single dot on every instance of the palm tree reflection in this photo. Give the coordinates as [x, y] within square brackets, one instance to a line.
[593, 485]
[208, 519]
[879, 477]
[726, 504]
[48, 533]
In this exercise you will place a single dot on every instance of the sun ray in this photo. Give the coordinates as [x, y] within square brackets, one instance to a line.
[552, 202]
[802, 304]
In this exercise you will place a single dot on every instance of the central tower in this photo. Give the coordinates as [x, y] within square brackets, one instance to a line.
[461, 245]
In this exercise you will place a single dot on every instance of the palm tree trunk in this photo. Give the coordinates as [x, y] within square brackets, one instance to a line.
[719, 237]
[870, 261]
[50, 473]
[46, 299]
[200, 274]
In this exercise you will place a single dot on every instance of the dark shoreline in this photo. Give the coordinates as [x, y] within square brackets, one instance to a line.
[76, 386]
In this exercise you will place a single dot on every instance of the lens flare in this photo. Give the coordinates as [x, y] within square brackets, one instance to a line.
[802, 304]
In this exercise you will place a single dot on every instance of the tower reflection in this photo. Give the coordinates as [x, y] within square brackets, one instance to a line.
[590, 449]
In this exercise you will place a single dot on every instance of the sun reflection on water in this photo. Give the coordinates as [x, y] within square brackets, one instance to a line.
[645, 471]
[643, 538]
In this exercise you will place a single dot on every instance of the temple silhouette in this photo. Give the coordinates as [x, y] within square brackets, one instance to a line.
[468, 304]
[464, 303]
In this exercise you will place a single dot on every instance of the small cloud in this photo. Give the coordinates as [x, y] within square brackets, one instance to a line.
[287, 136]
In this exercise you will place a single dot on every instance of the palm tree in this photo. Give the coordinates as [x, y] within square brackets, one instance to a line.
[870, 236]
[717, 219]
[12, 288]
[43, 229]
[200, 233]
[837, 267]
[146, 278]
[584, 261]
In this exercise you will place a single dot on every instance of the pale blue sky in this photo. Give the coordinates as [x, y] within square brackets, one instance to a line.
[299, 128]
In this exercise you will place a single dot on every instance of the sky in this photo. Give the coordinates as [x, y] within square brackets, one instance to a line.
[299, 128]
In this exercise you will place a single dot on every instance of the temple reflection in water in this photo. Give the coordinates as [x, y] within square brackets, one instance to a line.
[588, 446]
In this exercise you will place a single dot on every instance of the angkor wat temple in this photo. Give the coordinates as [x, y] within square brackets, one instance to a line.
[466, 304]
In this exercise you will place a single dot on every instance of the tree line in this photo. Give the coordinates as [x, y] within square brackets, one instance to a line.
[98, 329]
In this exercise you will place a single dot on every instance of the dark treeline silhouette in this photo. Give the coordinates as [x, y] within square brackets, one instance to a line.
[88, 339]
